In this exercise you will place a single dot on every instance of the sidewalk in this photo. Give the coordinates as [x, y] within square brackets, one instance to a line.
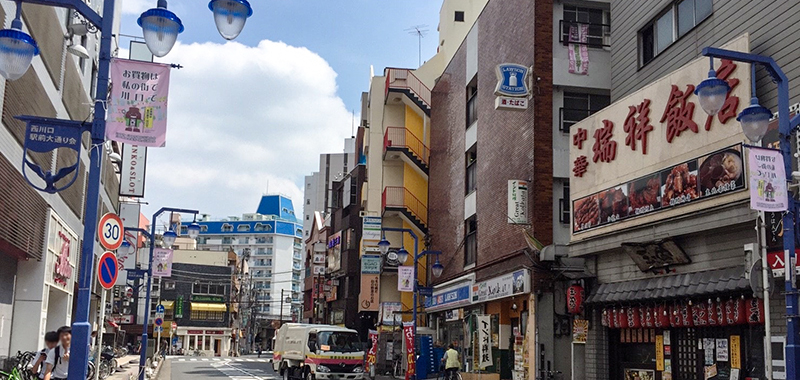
[128, 368]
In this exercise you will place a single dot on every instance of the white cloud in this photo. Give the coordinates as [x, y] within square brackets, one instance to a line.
[242, 119]
[136, 7]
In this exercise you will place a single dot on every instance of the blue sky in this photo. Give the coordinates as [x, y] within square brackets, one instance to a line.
[252, 116]
[350, 34]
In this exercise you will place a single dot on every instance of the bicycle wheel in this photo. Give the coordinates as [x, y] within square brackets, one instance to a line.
[90, 370]
[3, 375]
[105, 369]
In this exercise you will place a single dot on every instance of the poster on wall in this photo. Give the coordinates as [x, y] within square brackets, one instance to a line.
[388, 311]
[639, 374]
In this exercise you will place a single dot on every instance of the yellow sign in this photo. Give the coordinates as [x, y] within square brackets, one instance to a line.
[580, 330]
[659, 352]
[736, 352]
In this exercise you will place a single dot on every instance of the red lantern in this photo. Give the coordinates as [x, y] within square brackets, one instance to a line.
[713, 317]
[575, 299]
[675, 319]
[755, 311]
[719, 308]
[685, 312]
[735, 312]
[700, 314]
[620, 318]
[661, 316]
[647, 317]
[632, 320]
[604, 318]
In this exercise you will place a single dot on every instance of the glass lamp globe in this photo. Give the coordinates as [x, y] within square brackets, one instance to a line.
[126, 248]
[402, 255]
[755, 121]
[194, 230]
[384, 245]
[711, 93]
[160, 28]
[230, 16]
[17, 50]
[168, 238]
[437, 268]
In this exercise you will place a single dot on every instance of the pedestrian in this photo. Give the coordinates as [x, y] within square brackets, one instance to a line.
[451, 362]
[259, 350]
[37, 363]
[58, 358]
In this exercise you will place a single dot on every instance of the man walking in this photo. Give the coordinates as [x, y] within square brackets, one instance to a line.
[58, 358]
[451, 362]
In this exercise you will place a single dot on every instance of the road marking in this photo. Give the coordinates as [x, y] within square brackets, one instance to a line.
[205, 360]
[194, 360]
[181, 360]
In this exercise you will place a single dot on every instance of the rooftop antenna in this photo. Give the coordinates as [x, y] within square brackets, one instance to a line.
[353, 124]
[420, 31]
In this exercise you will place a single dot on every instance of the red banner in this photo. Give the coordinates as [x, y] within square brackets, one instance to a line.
[408, 333]
[372, 354]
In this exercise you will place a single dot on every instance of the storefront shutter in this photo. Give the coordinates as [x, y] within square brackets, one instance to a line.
[23, 215]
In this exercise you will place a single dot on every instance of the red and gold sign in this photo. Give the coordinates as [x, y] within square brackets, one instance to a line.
[689, 313]
[575, 299]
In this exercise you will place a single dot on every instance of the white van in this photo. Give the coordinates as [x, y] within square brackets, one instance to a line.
[317, 352]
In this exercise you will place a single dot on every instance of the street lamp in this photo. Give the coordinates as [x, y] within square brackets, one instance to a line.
[168, 238]
[402, 255]
[383, 245]
[437, 268]
[194, 230]
[17, 49]
[754, 120]
[160, 28]
[126, 248]
[230, 16]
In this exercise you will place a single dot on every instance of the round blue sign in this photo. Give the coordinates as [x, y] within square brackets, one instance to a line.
[107, 270]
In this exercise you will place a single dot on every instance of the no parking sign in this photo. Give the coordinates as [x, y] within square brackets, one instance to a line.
[107, 270]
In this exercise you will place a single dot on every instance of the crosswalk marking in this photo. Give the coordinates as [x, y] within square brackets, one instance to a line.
[218, 359]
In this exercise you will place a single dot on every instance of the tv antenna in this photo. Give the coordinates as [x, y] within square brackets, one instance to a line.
[420, 31]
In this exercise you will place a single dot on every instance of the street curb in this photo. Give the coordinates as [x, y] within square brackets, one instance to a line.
[157, 373]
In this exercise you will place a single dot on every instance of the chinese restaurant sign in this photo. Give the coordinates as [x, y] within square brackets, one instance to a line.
[656, 149]
[137, 111]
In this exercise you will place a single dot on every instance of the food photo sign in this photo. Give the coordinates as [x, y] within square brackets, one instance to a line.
[656, 154]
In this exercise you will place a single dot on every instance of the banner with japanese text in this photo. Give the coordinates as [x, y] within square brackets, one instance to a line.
[372, 353]
[408, 333]
[767, 180]
[162, 262]
[137, 109]
[405, 279]
[484, 342]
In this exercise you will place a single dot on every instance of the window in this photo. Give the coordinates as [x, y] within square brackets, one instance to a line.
[226, 240]
[472, 171]
[677, 20]
[459, 16]
[472, 102]
[199, 315]
[563, 205]
[596, 20]
[204, 228]
[227, 227]
[184, 230]
[211, 289]
[578, 106]
[471, 241]
[308, 201]
[243, 228]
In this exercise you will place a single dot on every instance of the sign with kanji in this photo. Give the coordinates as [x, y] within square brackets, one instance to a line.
[484, 341]
[767, 180]
[655, 149]
[162, 262]
[137, 109]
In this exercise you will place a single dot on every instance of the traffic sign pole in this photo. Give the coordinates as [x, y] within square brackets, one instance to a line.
[99, 338]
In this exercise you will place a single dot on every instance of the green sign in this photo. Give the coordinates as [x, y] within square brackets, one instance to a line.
[208, 298]
[179, 307]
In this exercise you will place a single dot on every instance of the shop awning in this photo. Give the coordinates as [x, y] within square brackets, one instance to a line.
[168, 304]
[196, 306]
[718, 281]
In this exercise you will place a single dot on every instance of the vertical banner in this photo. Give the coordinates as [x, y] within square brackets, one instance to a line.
[132, 171]
[162, 262]
[484, 341]
[371, 228]
[372, 353]
[408, 333]
[767, 180]
[137, 110]
[517, 201]
[578, 50]
[370, 292]
[405, 279]
[736, 352]
[659, 352]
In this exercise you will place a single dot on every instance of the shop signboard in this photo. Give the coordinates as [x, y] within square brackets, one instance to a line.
[580, 331]
[123, 319]
[484, 342]
[654, 154]
[370, 292]
[179, 307]
[449, 298]
[517, 201]
[132, 171]
[370, 264]
[317, 270]
[777, 262]
[508, 285]
[335, 252]
[129, 213]
[388, 310]
[205, 298]
[371, 229]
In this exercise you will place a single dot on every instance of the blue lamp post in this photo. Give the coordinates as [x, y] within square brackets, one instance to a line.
[17, 49]
[754, 120]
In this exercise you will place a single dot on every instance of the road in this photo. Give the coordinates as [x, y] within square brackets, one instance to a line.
[239, 368]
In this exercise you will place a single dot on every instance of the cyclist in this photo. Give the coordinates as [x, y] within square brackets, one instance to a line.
[58, 358]
[451, 362]
[37, 363]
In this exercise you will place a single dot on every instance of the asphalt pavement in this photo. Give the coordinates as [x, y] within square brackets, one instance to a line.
[228, 368]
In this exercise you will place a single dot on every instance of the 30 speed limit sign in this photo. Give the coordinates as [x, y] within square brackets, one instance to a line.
[109, 231]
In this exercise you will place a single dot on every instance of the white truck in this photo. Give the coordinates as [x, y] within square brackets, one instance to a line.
[317, 352]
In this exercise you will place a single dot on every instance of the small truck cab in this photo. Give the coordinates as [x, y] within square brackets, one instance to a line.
[317, 352]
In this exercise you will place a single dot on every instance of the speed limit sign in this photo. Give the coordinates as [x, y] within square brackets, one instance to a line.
[109, 231]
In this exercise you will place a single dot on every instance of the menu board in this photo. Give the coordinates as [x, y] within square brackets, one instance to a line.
[702, 178]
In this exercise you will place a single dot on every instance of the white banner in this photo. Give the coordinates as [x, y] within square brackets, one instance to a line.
[508, 285]
[129, 213]
[517, 201]
[405, 279]
[132, 171]
[484, 342]
[767, 180]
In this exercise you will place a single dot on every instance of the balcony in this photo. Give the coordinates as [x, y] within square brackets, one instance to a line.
[403, 81]
[400, 199]
[297, 256]
[599, 35]
[400, 139]
[297, 266]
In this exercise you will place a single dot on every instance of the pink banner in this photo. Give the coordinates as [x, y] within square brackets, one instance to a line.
[162, 262]
[137, 109]
[372, 354]
[767, 180]
[579, 52]
[411, 356]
